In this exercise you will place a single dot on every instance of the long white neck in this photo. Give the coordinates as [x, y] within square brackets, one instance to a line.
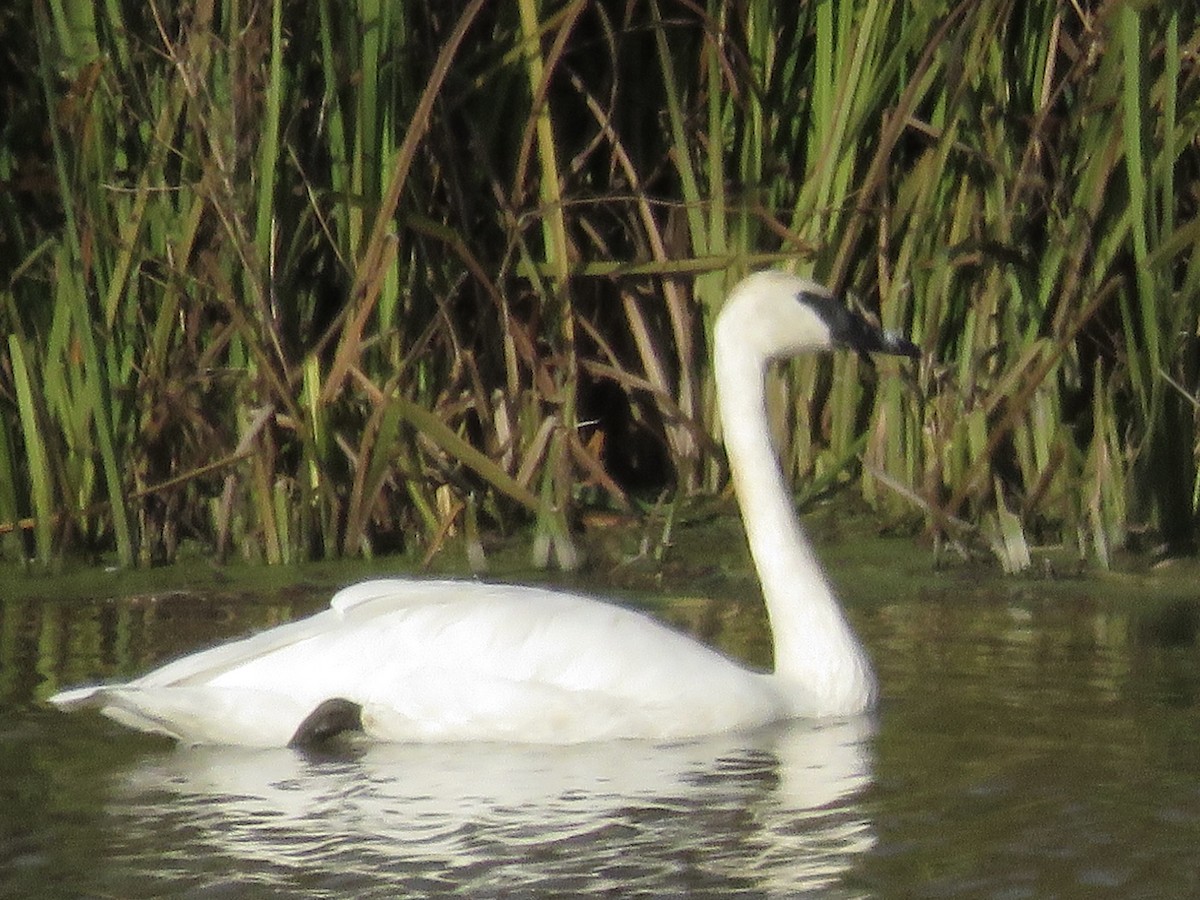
[816, 654]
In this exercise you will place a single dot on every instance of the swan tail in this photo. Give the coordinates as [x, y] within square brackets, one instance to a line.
[207, 715]
[76, 698]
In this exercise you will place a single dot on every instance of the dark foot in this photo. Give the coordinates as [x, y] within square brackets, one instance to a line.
[330, 718]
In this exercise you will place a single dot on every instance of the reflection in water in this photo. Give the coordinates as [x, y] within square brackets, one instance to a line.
[774, 811]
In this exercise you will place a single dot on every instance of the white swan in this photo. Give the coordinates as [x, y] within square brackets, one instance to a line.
[415, 660]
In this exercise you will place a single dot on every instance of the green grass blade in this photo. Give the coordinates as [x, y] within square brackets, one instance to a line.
[36, 457]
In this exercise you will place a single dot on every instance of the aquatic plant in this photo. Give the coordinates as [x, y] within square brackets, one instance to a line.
[299, 280]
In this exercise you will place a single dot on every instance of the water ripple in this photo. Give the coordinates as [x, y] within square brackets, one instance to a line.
[773, 813]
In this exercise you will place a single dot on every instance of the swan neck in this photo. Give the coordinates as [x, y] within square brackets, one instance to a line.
[814, 646]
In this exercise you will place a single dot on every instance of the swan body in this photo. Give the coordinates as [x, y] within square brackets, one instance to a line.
[421, 660]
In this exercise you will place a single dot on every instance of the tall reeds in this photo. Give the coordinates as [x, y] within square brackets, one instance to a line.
[306, 279]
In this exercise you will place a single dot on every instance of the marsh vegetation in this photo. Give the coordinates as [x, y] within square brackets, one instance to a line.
[297, 280]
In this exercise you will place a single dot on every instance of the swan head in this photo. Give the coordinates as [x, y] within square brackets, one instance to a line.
[775, 314]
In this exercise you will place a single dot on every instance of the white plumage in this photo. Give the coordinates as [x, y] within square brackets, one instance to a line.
[420, 660]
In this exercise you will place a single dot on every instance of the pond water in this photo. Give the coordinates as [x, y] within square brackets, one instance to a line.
[1035, 739]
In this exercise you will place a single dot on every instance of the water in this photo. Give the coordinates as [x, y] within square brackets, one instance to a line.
[1035, 739]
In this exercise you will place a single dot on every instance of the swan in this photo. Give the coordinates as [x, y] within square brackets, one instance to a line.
[414, 660]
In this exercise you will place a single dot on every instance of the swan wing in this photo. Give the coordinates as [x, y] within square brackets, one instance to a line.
[358, 602]
[442, 652]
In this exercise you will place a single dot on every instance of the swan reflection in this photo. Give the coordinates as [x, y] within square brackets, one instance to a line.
[776, 809]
